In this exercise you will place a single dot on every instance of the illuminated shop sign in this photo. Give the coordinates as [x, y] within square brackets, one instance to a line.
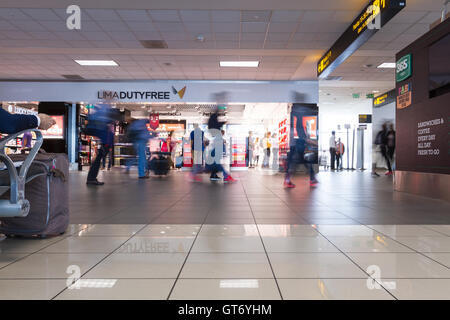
[374, 16]
[140, 95]
[384, 99]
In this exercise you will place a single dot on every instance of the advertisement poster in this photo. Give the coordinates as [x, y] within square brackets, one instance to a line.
[56, 131]
[309, 125]
[238, 151]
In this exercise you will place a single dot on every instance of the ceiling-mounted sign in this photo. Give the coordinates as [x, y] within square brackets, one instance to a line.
[403, 68]
[404, 96]
[355, 95]
[374, 16]
[365, 118]
[369, 96]
[384, 99]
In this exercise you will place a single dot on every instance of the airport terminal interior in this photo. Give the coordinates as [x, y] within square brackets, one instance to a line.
[333, 183]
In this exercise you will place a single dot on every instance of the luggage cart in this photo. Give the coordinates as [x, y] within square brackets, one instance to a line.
[323, 160]
[13, 177]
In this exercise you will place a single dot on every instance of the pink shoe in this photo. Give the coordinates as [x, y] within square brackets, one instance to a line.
[288, 184]
[229, 179]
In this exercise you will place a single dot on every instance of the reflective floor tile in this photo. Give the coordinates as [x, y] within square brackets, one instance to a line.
[332, 222]
[225, 289]
[170, 230]
[445, 229]
[443, 258]
[330, 289]
[118, 289]
[228, 244]
[421, 289]
[287, 230]
[167, 244]
[395, 231]
[426, 244]
[344, 230]
[247, 230]
[86, 245]
[226, 265]
[76, 228]
[39, 289]
[8, 258]
[298, 244]
[314, 265]
[375, 243]
[111, 230]
[50, 265]
[139, 265]
[401, 265]
[14, 245]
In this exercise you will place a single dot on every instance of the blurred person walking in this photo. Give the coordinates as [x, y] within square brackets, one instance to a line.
[251, 148]
[275, 152]
[98, 126]
[109, 151]
[297, 154]
[266, 145]
[384, 148]
[139, 135]
[256, 152]
[391, 144]
[197, 137]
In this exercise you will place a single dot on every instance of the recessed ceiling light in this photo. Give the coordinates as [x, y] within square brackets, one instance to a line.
[375, 91]
[96, 62]
[387, 65]
[240, 64]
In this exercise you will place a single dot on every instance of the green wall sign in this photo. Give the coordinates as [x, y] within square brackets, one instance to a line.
[404, 68]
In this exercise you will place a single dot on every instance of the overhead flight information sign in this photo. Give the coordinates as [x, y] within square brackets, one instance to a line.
[374, 16]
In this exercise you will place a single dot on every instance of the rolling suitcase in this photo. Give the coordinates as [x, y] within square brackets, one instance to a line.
[160, 164]
[48, 193]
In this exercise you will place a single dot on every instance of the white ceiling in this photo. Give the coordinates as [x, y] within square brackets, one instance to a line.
[287, 36]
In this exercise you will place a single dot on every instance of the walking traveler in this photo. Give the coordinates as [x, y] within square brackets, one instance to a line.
[333, 150]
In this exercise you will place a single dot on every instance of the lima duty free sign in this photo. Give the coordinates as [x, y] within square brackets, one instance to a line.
[403, 68]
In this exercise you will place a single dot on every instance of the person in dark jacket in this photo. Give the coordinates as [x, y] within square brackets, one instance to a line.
[12, 123]
[98, 124]
[297, 150]
[384, 147]
[109, 148]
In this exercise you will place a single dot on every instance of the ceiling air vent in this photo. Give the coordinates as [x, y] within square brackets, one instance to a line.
[72, 76]
[333, 78]
[255, 15]
[154, 44]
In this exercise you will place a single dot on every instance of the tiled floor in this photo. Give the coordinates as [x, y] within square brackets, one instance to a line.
[351, 238]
